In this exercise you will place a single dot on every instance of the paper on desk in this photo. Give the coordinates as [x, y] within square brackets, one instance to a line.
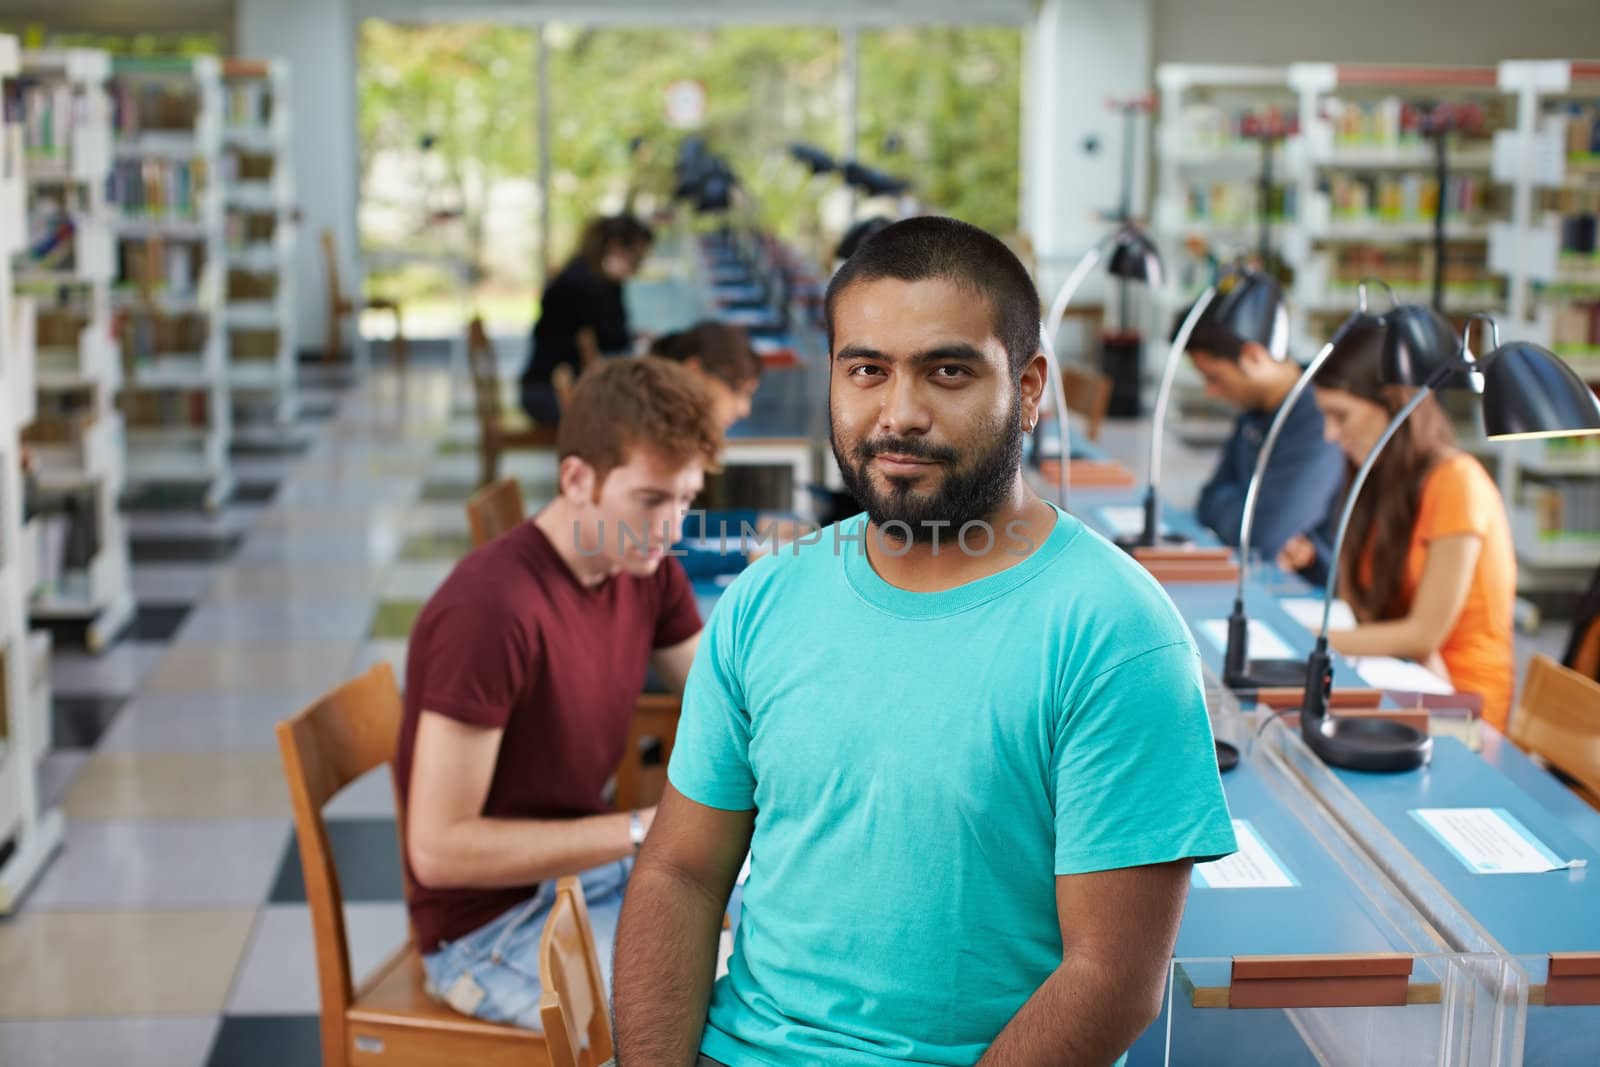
[1386, 672]
[1307, 611]
[1252, 867]
[1263, 639]
[1124, 520]
[1490, 841]
[744, 872]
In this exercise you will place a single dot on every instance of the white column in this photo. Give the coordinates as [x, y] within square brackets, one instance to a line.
[317, 38]
[1078, 54]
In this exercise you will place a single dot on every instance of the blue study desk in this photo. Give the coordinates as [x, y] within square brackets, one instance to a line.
[1339, 905]
[1520, 917]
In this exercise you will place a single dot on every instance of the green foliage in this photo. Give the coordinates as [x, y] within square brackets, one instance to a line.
[951, 98]
[950, 95]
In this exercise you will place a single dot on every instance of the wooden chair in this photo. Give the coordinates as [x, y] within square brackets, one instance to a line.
[1088, 393]
[389, 1020]
[341, 306]
[573, 1006]
[495, 509]
[494, 437]
[655, 718]
[1557, 721]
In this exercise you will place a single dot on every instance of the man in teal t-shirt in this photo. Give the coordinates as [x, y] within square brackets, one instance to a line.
[962, 738]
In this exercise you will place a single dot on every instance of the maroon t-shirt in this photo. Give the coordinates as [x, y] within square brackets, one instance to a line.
[512, 640]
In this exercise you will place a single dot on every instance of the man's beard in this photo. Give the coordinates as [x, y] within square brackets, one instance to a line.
[965, 493]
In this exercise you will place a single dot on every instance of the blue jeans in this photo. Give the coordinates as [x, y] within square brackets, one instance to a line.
[493, 972]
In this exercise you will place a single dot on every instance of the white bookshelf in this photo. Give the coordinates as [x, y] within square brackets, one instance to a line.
[1550, 160]
[1206, 170]
[1364, 175]
[35, 834]
[78, 441]
[168, 121]
[259, 200]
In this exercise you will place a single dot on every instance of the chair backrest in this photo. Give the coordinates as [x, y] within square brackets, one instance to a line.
[325, 747]
[655, 718]
[1088, 393]
[485, 378]
[1557, 718]
[577, 1025]
[330, 266]
[495, 509]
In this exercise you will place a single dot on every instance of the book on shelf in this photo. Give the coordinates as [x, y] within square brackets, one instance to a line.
[249, 104]
[1237, 203]
[1404, 197]
[1393, 123]
[166, 409]
[50, 111]
[171, 268]
[156, 188]
[1567, 506]
[140, 106]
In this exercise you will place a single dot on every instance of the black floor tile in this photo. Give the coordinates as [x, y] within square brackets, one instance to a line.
[158, 622]
[184, 549]
[255, 492]
[267, 1041]
[366, 853]
[79, 721]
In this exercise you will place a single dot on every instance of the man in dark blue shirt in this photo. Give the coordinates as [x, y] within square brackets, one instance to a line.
[1239, 347]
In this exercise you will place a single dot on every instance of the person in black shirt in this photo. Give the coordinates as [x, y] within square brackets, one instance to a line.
[581, 316]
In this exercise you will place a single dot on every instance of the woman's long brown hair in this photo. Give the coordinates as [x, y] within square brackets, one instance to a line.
[1386, 512]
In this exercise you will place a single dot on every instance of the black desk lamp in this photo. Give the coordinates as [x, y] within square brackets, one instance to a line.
[1245, 304]
[1528, 393]
[1422, 340]
[1130, 256]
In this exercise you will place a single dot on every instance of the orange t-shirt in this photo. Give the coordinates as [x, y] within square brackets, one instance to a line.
[1459, 497]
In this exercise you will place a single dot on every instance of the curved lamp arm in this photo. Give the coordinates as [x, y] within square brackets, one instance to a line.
[1158, 418]
[1059, 393]
[1248, 520]
[1070, 287]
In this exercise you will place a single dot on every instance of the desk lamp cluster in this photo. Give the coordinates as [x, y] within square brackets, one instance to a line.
[1527, 392]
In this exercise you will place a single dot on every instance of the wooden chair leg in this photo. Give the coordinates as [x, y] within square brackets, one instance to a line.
[488, 463]
[401, 351]
[332, 345]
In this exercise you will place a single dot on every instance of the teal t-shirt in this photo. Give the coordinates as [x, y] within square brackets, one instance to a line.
[922, 767]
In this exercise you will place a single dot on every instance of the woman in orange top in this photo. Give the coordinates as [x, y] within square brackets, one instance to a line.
[1435, 579]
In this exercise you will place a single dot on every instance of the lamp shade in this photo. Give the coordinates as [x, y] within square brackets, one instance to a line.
[1134, 258]
[1417, 341]
[1362, 332]
[1248, 307]
[1528, 392]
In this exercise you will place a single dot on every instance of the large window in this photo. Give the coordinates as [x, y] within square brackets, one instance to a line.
[942, 106]
[449, 120]
[449, 190]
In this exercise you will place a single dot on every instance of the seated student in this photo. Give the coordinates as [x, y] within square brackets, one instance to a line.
[722, 360]
[1428, 565]
[1237, 346]
[581, 314]
[522, 675]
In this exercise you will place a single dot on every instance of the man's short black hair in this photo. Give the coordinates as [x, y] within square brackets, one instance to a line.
[933, 246]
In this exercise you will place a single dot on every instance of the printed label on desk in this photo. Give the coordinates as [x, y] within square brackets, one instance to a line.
[1263, 640]
[1126, 520]
[1307, 611]
[1252, 867]
[1488, 840]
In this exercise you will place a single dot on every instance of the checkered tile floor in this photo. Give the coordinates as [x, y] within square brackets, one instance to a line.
[172, 931]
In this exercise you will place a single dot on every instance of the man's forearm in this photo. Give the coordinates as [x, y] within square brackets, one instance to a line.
[1083, 1015]
[497, 853]
[666, 961]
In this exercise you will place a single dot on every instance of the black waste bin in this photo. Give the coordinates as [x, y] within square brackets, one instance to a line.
[1122, 360]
